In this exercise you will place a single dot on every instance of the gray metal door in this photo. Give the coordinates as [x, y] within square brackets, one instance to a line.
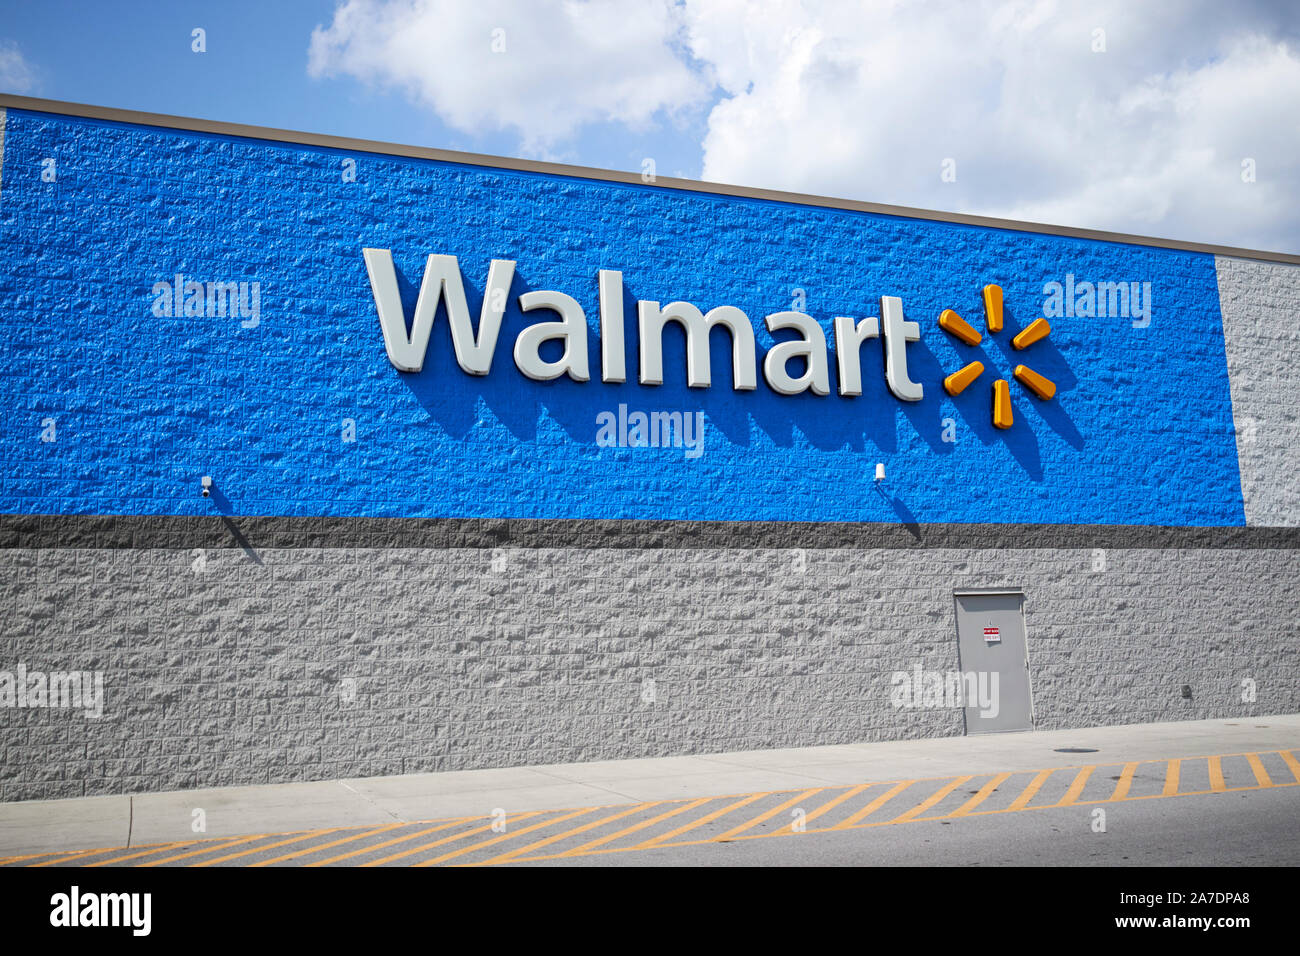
[994, 660]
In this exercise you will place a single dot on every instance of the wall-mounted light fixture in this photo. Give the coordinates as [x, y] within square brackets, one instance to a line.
[880, 471]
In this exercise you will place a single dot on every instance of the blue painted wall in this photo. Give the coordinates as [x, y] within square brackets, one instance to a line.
[1140, 432]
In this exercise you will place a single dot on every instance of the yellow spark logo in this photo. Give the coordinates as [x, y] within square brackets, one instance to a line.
[960, 329]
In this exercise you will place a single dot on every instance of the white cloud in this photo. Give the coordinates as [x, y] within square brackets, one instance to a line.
[866, 100]
[565, 63]
[838, 98]
[16, 76]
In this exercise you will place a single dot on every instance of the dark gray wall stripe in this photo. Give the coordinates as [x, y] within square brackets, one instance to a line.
[150, 531]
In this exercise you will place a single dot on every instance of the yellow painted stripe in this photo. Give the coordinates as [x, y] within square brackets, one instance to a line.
[139, 853]
[985, 792]
[707, 818]
[387, 843]
[44, 862]
[1261, 775]
[296, 838]
[930, 801]
[36, 856]
[206, 849]
[1216, 775]
[304, 851]
[451, 839]
[874, 805]
[504, 836]
[82, 854]
[1171, 778]
[146, 847]
[1076, 787]
[841, 826]
[825, 807]
[766, 836]
[1125, 782]
[1292, 763]
[768, 814]
[567, 834]
[636, 827]
[1030, 790]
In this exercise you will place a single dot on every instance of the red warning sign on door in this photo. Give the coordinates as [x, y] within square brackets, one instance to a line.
[992, 635]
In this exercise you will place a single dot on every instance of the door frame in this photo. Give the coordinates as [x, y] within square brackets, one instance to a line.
[1024, 627]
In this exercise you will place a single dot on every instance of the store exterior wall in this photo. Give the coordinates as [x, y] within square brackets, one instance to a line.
[401, 572]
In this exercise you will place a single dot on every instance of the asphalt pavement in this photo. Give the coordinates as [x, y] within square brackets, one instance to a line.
[1193, 793]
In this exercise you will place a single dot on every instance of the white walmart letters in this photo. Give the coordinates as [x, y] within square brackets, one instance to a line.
[442, 284]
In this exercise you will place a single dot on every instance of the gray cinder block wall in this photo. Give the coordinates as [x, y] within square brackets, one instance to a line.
[1259, 303]
[311, 663]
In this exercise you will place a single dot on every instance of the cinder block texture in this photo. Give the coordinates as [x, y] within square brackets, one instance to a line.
[145, 400]
[1260, 302]
[223, 667]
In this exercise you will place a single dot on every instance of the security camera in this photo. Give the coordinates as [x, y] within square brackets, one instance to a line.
[207, 485]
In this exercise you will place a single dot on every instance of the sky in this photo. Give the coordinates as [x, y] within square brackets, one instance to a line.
[1178, 118]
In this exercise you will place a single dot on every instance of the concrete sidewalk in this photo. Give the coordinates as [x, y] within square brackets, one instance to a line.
[50, 825]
